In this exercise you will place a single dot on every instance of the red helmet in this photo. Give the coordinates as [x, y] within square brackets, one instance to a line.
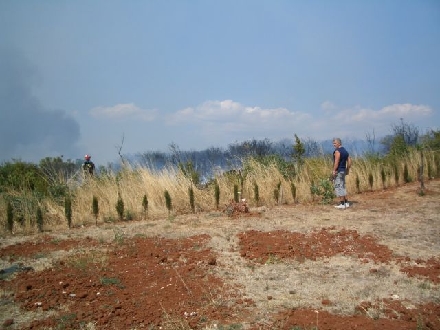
[87, 157]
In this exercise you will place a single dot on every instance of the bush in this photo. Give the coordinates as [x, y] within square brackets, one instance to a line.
[40, 219]
[324, 189]
[10, 216]
[68, 210]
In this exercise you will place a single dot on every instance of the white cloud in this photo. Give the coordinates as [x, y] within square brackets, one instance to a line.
[127, 110]
[228, 113]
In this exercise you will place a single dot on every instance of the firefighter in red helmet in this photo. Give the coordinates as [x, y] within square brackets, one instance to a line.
[88, 166]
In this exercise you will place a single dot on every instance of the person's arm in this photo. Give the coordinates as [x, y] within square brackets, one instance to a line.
[336, 163]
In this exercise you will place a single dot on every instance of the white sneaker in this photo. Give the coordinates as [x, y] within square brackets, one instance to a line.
[340, 206]
[347, 205]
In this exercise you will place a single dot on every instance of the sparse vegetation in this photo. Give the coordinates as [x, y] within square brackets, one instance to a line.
[261, 177]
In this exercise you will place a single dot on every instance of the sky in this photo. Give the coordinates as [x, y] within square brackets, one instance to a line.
[101, 77]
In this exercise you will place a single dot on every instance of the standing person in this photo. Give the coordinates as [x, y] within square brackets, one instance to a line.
[88, 166]
[341, 166]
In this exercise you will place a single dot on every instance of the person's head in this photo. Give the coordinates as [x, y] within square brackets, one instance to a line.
[87, 157]
[337, 142]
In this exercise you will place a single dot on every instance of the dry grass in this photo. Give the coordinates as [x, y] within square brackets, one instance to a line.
[132, 184]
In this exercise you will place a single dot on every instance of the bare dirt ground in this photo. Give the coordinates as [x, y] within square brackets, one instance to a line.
[375, 265]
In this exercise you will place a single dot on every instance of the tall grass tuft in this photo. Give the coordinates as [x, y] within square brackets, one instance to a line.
[358, 184]
[396, 174]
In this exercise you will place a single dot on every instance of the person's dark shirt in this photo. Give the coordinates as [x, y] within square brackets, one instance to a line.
[343, 156]
[89, 167]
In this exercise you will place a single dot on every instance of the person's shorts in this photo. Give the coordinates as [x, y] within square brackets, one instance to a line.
[340, 184]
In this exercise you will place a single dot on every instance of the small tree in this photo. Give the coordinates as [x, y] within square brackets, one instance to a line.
[293, 191]
[10, 216]
[216, 194]
[370, 180]
[95, 208]
[168, 203]
[145, 206]
[358, 184]
[120, 208]
[298, 152]
[68, 210]
[256, 193]
[40, 219]
[191, 199]
[406, 177]
[396, 174]
[236, 193]
[276, 193]
[383, 177]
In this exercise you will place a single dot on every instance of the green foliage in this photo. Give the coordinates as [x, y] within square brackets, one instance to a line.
[286, 169]
[68, 210]
[191, 199]
[398, 147]
[324, 189]
[95, 208]
[298, 152]
[22, 176]
[40, 219]
[189, 171]
[10, 216]
[236, 193]
[256, 193]
[120, 208]
[168, 202]
[216, 194]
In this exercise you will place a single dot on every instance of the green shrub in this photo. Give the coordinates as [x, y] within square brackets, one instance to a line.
[396, 173]
[324, 189]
